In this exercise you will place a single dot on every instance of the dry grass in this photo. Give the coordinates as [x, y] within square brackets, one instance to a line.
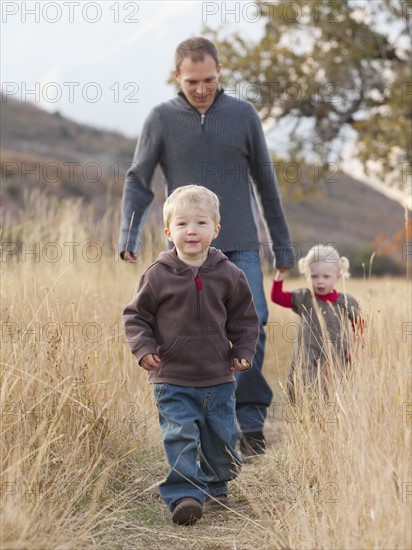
[81, 448]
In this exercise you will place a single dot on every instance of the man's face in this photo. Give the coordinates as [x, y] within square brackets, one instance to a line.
[199, 81]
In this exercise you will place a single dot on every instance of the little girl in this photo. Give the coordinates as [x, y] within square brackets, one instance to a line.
[324, 339]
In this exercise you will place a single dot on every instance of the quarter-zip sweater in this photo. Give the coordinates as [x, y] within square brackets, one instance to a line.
[224, 150]
[195, 319]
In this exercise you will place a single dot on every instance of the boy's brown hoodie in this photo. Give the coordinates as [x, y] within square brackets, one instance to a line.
[195, 318]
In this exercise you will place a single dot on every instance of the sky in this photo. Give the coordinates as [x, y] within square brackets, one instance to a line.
[104, 63]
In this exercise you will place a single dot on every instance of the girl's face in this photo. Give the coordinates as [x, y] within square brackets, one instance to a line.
[323, 276]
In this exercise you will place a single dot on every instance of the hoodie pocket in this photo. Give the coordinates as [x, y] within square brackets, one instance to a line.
[174, 349]
[199, 358]
[222, 349]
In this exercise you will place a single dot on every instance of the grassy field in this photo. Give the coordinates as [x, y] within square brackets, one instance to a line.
[81, 447]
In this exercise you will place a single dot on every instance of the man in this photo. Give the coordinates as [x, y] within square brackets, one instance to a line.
[204, 136]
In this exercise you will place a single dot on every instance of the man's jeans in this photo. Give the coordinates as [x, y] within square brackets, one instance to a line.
[199, 436]
[253, 394]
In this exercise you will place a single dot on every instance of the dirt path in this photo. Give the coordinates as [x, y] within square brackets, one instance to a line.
[241, 526]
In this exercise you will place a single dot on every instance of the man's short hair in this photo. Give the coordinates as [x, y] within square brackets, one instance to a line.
[191, 195]
[196, 48]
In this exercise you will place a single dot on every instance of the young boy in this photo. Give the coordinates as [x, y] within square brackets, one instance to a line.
[191, 325]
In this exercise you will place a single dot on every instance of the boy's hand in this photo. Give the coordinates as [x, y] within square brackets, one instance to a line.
[240, 364]
[150, 361]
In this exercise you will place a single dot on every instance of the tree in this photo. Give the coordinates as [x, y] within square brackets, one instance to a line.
[332, 70]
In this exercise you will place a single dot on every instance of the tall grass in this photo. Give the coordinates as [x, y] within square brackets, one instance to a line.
[81, 448]
[347, 459]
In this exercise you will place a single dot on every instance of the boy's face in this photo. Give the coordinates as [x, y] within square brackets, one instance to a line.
[192, 230]
[323, 276]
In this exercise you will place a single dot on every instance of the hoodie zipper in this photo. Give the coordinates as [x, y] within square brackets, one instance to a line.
[199, 287]
[202, 121]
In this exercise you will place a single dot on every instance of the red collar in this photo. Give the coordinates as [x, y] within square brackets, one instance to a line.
[331, 297]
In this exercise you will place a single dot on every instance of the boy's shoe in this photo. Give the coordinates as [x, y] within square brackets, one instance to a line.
[252, 444]
[219, 501]
[187, 511]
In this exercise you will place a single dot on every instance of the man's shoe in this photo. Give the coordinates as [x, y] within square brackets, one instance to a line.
[252, 444]
[216, 502]
[187, 511]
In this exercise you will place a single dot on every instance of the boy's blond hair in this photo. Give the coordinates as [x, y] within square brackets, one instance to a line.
[325, 253]
[191, 195]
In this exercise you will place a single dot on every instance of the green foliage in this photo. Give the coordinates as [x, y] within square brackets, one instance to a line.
[338, 65]
[64, 132]
[365, 262]
[13, 190]
[73, 187]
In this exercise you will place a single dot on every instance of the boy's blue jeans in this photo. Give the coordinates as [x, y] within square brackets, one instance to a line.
[199, 437]
[253, 394]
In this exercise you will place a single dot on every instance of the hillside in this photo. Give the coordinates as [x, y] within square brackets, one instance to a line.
[48, 152]
[347, 212]
[62, 158]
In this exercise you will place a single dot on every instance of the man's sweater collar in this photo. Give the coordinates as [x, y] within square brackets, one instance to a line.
[218, 96]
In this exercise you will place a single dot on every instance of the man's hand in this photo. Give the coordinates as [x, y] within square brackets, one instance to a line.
[280, 275]
[130, 257]
[240, 364]
[150, 361]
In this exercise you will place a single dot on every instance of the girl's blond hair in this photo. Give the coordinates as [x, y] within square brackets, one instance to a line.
[191, 195]
[325, 253]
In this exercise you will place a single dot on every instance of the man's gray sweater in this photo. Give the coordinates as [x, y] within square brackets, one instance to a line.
[224, 150]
